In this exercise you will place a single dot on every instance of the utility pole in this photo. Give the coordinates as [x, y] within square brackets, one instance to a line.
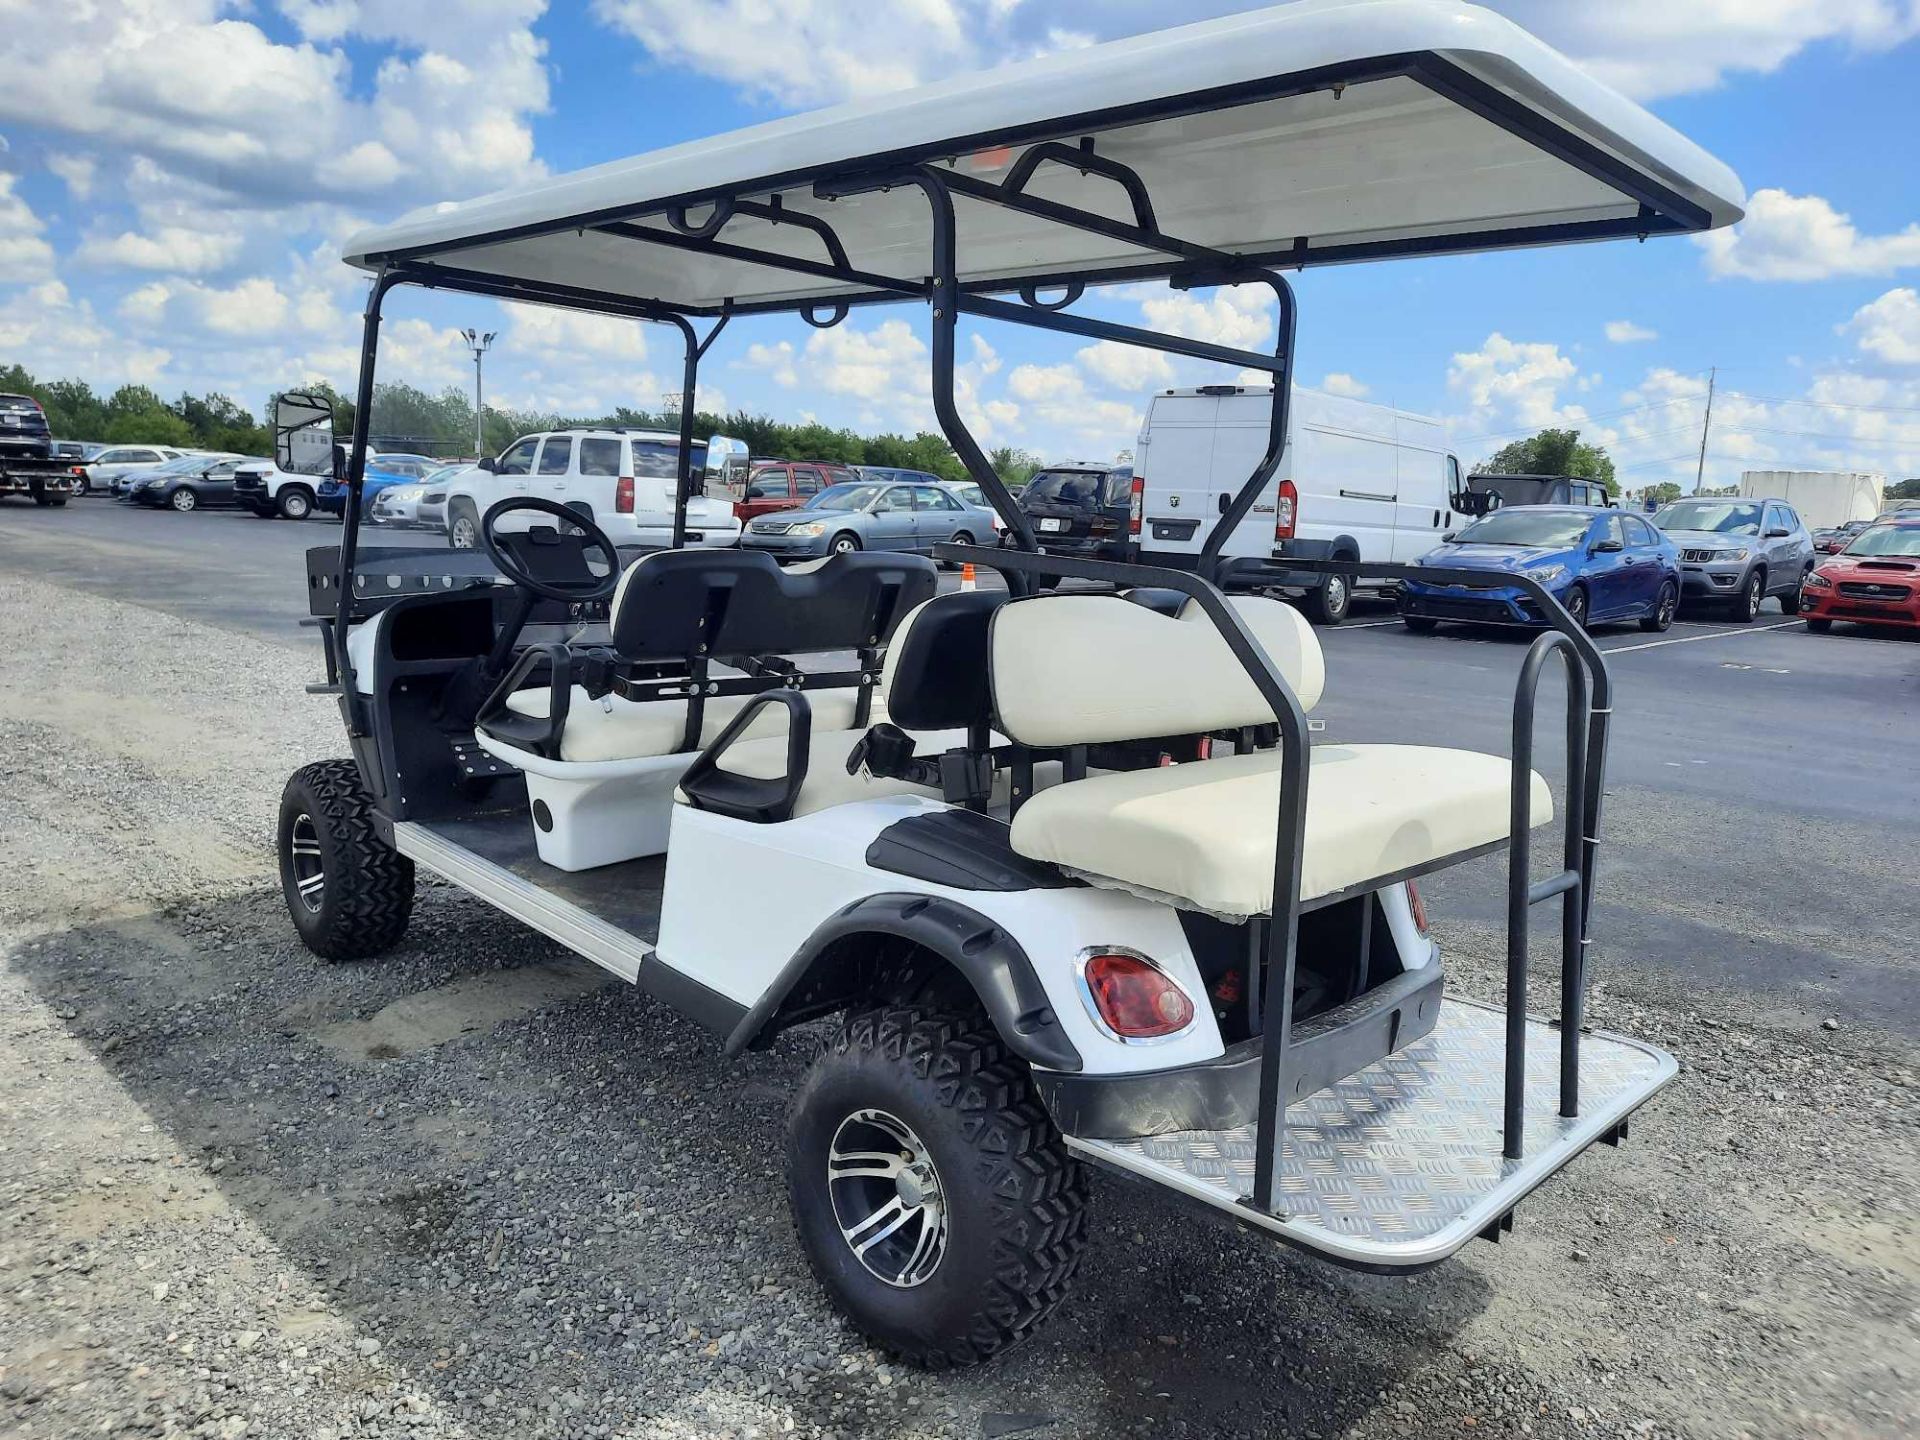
[1700, 470]
[478, 343]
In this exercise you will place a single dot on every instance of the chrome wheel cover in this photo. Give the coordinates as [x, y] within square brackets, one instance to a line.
[887, 1198]
[309, 871]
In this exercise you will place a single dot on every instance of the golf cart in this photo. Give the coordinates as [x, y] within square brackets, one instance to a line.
[1049, 911]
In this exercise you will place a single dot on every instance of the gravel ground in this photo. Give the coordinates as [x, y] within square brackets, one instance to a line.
[477, 1189]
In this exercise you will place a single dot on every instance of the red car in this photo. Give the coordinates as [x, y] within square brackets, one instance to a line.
[779, 485]
[1875, 580]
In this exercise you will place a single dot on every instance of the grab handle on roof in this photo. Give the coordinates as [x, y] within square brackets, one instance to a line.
[1083, 159]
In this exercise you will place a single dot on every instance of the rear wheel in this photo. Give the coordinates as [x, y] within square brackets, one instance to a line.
[934, 1198]
[1790, 602]
[350, 893]
[183, 500]
[963, 538]
[463, 526]
[80, 485]
[1752, 593]
[1329, 603]
[296, 503]
[1663, 608]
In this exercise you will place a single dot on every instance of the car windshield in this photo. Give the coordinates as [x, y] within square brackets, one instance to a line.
[1065, 487]
[844, 497]
[660, 459]
[185, 462]
[1724, 516]
[1901, 540]
[1536, 529]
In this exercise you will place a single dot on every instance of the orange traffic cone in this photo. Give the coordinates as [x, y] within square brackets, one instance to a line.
[966, 577]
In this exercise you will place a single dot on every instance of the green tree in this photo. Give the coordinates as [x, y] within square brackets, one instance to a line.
[1904, 489]
[1014, 466]
[1663, 493]
[1554, 452]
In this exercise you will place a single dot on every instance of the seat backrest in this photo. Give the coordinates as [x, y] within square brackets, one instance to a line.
[936, 670]
[1093, 669]
[677, 603]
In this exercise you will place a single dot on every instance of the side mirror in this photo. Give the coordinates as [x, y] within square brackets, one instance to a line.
[303, 434]
[1606, 547]
[1447, 539]
[1778, 534]
[488, 464]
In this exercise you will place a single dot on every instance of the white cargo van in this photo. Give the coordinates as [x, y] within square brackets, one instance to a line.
[1356, 482]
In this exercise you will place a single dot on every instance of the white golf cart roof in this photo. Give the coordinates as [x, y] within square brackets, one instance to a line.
[1318, 132]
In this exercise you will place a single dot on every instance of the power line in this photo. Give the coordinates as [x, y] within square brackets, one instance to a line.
[1687, 454]
[1581, 420]
[1844, 442]
[1824, 404]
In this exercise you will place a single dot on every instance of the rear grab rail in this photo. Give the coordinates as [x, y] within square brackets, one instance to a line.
[1589, 709]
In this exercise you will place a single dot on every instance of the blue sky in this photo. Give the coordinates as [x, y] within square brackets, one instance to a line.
[178, 174]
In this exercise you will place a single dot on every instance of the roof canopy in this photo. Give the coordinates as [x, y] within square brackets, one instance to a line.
[1325, 131]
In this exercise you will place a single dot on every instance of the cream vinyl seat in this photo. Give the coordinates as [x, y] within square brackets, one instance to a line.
[1203, 835]
[611, 728]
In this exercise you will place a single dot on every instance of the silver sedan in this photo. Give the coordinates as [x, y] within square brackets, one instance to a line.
[870, 516]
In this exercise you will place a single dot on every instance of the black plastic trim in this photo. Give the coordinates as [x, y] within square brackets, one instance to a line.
[687, 995]
[962, 850]
[1224, 1093]
[988, 957]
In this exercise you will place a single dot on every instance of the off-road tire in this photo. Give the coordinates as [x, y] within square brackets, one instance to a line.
[294, 503]
[1015, 1199]
[367, 895]
[1329, 601]
[1420, 624]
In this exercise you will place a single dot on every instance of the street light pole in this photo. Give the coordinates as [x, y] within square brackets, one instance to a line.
[478, 343]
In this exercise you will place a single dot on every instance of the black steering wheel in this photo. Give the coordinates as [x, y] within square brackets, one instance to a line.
[567, 592]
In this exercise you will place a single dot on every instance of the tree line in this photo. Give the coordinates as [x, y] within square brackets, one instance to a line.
[407, 417]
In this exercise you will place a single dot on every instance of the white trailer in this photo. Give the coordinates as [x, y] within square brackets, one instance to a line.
[1824, 498]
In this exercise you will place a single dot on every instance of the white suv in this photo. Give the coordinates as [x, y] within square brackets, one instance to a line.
[622, 480]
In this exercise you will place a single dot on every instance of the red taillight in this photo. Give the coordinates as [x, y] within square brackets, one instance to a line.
[1136, 505]
[79, 469]
[1417, 906]
[1286, 511]
[623, 495]
[1133, 999]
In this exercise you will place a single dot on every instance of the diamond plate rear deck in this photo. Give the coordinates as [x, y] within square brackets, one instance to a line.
[1399, 1166]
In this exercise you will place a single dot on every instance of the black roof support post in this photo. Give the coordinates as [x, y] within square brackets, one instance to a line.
[1276, 421]
[355, 479]
[696, 349]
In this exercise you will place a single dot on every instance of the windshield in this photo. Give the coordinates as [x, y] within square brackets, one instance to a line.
[660, 459]
[1536, 529]
[1901, 540]
[185, 462]
[1725, 516]
[1065, 487]
[844, 497]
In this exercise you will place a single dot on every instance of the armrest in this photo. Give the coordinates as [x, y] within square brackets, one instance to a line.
[742, 797]
[535, 733]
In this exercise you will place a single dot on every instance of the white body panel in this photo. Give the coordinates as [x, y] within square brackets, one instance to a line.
[1367, 474]
[599, 812]
[1382, 160]
[1824, 498]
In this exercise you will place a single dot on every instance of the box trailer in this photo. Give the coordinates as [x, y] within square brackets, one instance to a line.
[1824, 498]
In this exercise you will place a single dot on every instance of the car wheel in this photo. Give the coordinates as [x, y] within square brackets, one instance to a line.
[1751, 596]
[296, 503]
[963, 538]
[1819, 627]
[463, 530]
[1663, 609]
[1576, 603]
[1420, 624]
[350, 893]
[845, 543]
[80, 486]
[1329, 603]
[933, 1197]
[57, 498]
[183, 500]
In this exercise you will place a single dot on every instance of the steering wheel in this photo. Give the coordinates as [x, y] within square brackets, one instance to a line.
[567, 592]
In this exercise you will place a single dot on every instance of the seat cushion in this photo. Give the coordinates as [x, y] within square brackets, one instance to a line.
[614, 729]
[1203, 834]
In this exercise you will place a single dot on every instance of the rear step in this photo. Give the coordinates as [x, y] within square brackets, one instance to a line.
[1397, 1167]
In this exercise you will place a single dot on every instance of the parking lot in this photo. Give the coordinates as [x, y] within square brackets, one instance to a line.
[478, 1189]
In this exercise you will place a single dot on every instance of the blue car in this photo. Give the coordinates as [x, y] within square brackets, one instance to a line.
[383, 472]
[1603, 565]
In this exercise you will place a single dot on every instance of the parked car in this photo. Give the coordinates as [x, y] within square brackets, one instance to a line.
[896, 473]
[1835, 538]
[1604, 565]
[783, 485]
[1875, 580]
[622, 480]
[97, 476]
[1081, 508]
[1737, 552]
[272, 493]
[122, 485]
[869, 515]
[1486, 493]
[197, 482]
[383, 471]
[419, 506]
[24, 432]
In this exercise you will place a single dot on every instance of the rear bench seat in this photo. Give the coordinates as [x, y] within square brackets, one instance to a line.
[1202, 835]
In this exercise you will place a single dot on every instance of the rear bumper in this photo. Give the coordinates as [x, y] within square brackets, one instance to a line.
[1247, 572]
[1224, 1093]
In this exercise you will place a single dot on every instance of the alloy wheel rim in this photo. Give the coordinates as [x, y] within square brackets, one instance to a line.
[1753, 595]
[183, 500]
[309, 869]
[463, 534]
[887, 1198]
[1667, 602]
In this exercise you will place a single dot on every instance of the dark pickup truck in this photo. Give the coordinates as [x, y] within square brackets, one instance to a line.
[1487, 493]
[30, 460]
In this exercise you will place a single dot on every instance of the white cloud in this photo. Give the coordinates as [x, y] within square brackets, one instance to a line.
[1057, 396]
[1338, 383]
[1889, 328]
[1126, 367]
[550, 332]
[1240, 316]
[76, 172]
[1625, 332]
[1802, 237]
[25, 254]
[172, 248]
[1512, 380]
[54, 334]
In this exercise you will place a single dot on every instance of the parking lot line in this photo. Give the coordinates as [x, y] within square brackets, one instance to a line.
[1710, 635]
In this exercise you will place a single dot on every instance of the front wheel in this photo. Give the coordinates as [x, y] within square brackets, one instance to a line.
[350, 893]
[183, 500]
[463, 530]
[934, 1198]
[295, 504]
[1662, 617]
[1420, 624]
[1819, 627]
[844, 544]
[1329, 602]
[1576, 603]
[1751, 595]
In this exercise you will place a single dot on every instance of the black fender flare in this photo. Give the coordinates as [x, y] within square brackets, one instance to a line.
[991, 961]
